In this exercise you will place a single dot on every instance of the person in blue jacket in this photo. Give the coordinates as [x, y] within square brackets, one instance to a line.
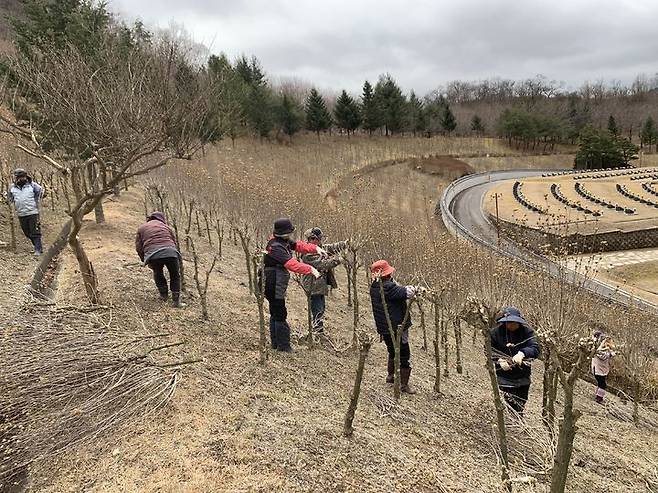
[514, 345]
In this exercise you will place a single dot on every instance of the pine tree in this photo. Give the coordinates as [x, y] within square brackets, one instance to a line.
[56, 24]
[228, 114]
[415, 116]
[289, 116]
[318, 118]
[612, 126]
[448, 121]
[649, 133]
[346, 113]
[392, 103]
[370, 109]
[476, 125]
[259, 110]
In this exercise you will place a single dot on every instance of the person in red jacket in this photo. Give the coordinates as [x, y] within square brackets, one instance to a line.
[278, 264]
[156, 246]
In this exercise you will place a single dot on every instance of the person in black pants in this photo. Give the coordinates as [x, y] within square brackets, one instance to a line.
[513, 343]
[394, 303]
[155, 244]
[278, 263]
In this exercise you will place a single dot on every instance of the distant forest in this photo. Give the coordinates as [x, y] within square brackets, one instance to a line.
[535, 113]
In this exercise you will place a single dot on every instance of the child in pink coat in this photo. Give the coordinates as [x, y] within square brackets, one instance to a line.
[601, 363]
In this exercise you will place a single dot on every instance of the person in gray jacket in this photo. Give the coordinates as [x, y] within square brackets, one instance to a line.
[319, 288]
[26, 196]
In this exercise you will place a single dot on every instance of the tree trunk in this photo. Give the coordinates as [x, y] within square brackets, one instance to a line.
[549, 393]
[37, 284]
[245, 242]
[260, 300]
[444, 343]
[437, 351]
[458, 344]
[566, 436]
[500, 408]
[356, 390]
[89, 278]
[355, 297]
[423, 325]
[12, 227]
[349, 284]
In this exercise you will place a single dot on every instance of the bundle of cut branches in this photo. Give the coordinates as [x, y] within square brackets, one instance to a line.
[68, 377]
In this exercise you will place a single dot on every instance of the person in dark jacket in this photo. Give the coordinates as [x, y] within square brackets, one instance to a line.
[513, 343]
[26, 196]
[395, 297]
[156, 246]
[319, 288]
[277, 265]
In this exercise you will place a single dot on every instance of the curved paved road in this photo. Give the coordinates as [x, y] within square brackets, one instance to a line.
[462, 213]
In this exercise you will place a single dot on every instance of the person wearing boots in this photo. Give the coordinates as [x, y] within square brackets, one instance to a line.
[26, 196]
[601, 363]
[277, 265]
[395, 298]
[319, 288]
[156, 246]
[513, 343]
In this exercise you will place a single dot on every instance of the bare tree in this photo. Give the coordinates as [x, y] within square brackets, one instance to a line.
[365, 342]
[202, 285]
[101, 126]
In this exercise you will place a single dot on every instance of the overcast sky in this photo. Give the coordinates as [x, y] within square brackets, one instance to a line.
[422, 43]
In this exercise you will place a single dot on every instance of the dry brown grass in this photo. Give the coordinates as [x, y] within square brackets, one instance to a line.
[235, 425]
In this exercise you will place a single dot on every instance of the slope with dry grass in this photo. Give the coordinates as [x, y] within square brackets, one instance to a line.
[236, 426]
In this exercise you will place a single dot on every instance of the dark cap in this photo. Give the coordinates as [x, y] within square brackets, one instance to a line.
[283, 226]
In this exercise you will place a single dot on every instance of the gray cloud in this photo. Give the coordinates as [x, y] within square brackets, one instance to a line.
[423, 43]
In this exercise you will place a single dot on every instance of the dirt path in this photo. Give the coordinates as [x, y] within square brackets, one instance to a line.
[236, 426]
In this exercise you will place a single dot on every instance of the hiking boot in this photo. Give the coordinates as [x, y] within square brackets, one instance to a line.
[177, 303]
[405, 373]
[164, 295]
[390, 378]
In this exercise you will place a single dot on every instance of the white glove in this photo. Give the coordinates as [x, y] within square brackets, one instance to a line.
[411, 291]
[322, 252]
[504, 365]
[517, 359]
[315, 273]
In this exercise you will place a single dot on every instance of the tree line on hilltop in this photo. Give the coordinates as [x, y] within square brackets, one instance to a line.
[534, 114]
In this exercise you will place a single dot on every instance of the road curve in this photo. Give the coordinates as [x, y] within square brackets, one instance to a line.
[461, 209]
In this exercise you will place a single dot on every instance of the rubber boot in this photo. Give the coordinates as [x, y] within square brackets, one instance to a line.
[283, 337]
[177, 301]
[38, 247]
[600, 393]
[390, 378]
[405, 373]
[273, 332]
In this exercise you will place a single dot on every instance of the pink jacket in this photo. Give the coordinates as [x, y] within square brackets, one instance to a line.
[601, 361]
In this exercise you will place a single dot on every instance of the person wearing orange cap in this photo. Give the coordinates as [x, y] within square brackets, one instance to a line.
[395, 301]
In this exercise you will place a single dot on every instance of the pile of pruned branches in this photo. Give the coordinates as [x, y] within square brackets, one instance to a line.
[68, 375]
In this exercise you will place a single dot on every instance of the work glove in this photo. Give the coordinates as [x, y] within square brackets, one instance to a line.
[315, 273]
[322, 252]
[504, 365]
[517, 359]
